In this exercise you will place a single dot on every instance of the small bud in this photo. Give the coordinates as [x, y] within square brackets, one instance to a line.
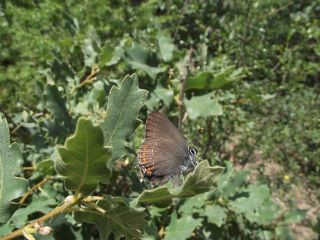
[46, 230]
[69, 199]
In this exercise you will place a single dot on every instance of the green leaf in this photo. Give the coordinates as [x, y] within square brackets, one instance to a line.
[84, 159]
[212, 81]
[138, 57]
[256, 204]
[150, 231]
[201, 180]
[160, 93]
[152, 102]
[160, 197]
[234, 184]
[200, 81]
[166, 46]
[294, 216]
[38, 204]
[6, 228]
[223, 181]
[193, 204]
[89, 45]
[124, 103]
[282, 232]
[166, 95]
[46, 167]
[118, 219]
[215, 214]
[181, 228]
[110, 56]
[11, 187]
[56, 105]
[203, 106]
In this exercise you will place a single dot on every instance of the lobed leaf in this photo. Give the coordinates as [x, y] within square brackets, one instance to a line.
[166, 46]
[11, 187]
[209, 80]
[56, 105]
[203, 106]
[201, 180]
[255, 203]
[138, 58]
[215, 214]
[124, 103]
[118, 218]
[181, 228]
[84, 159]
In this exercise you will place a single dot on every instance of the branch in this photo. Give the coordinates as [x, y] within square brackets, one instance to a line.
[88, 80]
[26, 195]
[210, 138]
[49, 215]
[183, 77]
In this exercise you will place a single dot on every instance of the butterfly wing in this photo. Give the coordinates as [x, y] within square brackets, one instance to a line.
[164, 149]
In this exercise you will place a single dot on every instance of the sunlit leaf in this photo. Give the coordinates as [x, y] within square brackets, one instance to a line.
[234, 184]
[203, 106]
[215, 214]
[256, 204]
[124, 103]
[165, 45]
[294, 216]
[181, 228]
[193, 204]
[89, 47]
[166, 95]
[11, 186]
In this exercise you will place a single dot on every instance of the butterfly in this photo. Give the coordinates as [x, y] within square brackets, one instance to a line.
[165, 153]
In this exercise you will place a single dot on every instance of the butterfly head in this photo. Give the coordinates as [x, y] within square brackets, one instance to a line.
[190, 162]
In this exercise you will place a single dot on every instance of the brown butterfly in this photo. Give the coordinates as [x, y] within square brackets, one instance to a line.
[165, 152]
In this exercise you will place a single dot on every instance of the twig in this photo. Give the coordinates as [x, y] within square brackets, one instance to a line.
[51, 214]
[88, 80]
[210, 138]
[28, 168]
[92, 198]
[183, 77]
[26, 195]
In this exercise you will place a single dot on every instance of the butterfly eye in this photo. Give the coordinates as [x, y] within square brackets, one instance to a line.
[193, 151]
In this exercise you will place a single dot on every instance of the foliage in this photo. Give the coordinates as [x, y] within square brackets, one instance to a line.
[11, 187]
[240, 78]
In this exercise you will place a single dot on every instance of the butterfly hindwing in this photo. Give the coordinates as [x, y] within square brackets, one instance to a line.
[164, 149]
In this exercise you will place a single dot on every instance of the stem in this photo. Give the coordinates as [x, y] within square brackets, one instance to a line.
[88, 80]
[92, 198]
[26, 195]
[210, 138]
[183, 77]
[49, 215]
[28, 168]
